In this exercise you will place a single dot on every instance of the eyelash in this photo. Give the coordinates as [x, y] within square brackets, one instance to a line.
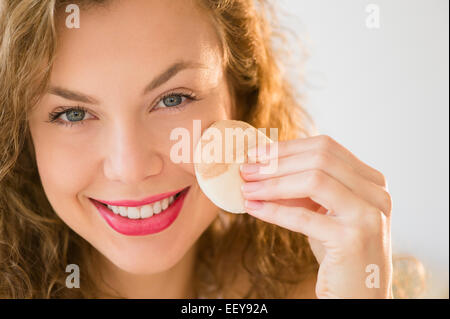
[54, 116]
[190, 96]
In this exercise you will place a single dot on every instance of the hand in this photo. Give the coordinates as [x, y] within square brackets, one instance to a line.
[323, 191]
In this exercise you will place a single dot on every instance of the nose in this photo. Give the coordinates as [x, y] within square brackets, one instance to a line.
[130, 158]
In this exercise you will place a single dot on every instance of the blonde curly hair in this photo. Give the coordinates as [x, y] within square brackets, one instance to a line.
[36, 245]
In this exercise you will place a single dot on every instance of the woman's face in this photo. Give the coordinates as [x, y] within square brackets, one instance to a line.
[138, 70]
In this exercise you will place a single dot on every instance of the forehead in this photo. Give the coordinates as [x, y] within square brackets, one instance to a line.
[136, 36]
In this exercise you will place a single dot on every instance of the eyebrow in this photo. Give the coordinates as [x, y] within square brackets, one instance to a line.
[162, 78]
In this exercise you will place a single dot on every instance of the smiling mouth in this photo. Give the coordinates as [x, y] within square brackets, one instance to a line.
[136, 210]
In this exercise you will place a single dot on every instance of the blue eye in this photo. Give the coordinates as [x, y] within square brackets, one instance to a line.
[172, 100]
[74, 115]
[70, 116]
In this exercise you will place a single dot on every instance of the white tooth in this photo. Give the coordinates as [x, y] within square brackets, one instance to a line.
[146, 211]
[170, 200]
[123, 211]
[133, 212]
[109, 206]
[156, 207]
[115, 209]
[165, 203]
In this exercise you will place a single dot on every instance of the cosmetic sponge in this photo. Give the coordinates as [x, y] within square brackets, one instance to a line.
[219, 153]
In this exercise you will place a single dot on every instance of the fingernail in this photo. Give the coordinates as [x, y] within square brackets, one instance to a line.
[249, 168]
[253, 204]
[251, 187]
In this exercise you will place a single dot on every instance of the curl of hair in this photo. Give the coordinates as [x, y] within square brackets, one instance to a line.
[36, 245]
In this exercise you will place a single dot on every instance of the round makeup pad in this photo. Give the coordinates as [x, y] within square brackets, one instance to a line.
[220, 151]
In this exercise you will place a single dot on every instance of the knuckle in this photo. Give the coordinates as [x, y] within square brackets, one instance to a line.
[315, 179]
[387, 203]
[325, 142]
[382, 179]
[272, 183]
[367, 227]
[321, 159]
[304, 217]
[371, 221]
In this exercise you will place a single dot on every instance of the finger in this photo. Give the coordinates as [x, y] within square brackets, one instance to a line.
[330, 164]
[319, 142]
[315, 184]
[298, 219]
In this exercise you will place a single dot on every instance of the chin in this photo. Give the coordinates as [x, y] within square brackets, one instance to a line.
[146, 256]
[144, 263]
[146, 266]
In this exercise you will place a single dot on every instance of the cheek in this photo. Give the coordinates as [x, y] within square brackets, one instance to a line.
[65, 166]
[186, 129]
[64, 171]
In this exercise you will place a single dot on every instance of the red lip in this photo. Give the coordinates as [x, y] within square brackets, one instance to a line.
[137, 203]
[144, 226]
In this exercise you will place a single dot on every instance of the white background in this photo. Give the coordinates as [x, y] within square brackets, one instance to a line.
[383, 94]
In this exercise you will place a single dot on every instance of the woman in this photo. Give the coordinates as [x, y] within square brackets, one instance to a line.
[85, 120]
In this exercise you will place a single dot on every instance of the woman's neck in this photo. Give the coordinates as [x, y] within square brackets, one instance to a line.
[176, 282]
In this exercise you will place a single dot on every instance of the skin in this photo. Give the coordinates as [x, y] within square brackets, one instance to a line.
[348, 231]
[120, 150]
